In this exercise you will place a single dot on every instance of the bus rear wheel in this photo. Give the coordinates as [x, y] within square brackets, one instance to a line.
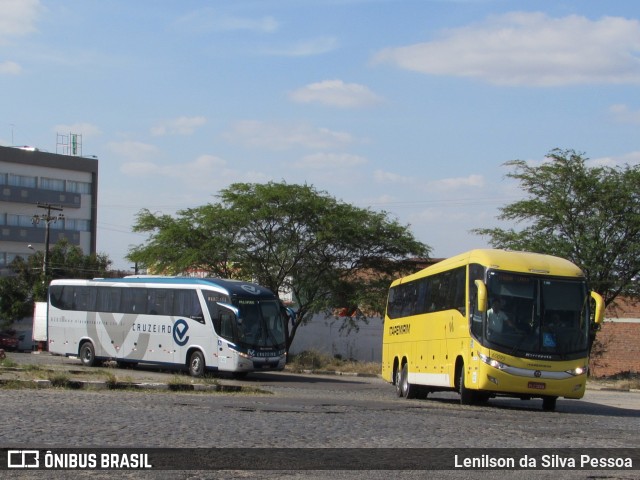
[196, 364]
[397, 381]
[87, 354]
[406, 389]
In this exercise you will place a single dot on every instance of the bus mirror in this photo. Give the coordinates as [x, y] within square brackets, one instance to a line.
[599, 312]
[482, 296]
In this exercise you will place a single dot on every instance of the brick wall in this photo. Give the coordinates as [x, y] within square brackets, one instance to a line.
[617, 348]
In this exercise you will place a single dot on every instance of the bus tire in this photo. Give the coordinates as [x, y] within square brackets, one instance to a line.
[549, 404]
[467, 397]
[397, 381]
[406, 389]
[87, 354]
[196, 364]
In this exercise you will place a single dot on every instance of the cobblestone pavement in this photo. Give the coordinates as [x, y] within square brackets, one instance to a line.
[311, 411]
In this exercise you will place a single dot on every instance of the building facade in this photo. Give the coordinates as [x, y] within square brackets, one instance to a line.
[35, 186]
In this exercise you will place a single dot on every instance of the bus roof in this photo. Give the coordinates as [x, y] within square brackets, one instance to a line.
[506, 260]
[233, 287]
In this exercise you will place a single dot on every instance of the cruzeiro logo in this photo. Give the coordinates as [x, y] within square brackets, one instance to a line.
[180, 329]
[251, 289]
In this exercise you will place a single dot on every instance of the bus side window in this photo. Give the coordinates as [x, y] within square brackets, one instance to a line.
[67, 297]
[226, 325]
[187, 304]
[134, 300]
[160, 301]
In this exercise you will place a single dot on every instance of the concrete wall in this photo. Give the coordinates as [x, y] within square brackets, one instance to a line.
[323, 335]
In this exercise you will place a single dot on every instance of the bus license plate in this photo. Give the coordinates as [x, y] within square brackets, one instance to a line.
[537, 385]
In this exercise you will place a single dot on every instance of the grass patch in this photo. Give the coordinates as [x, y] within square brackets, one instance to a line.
[8, 363]
[621, 381]
[183, 383]
[17, 385]
[315, 360]
[35, 370]
[59, 379]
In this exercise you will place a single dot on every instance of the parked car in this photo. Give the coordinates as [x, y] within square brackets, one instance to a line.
[8, 341]
[25, 341]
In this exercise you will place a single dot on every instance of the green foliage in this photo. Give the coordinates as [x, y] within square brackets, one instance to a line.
[28, 285]
[328, 253]
[590, 215]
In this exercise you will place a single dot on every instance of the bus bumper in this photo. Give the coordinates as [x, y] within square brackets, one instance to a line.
[535, 384]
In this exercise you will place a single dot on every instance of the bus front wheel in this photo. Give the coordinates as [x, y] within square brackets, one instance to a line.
[87, 354]
[196, 364]
[467, 397]
[549, 404]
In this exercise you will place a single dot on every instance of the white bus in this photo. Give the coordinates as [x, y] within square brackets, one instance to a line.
[201, 324]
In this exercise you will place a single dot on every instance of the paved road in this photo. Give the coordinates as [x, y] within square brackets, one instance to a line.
[314, 411]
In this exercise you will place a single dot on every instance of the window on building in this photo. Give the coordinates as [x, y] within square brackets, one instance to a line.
[14, 220]
[78, 187]
[52, 184]
[77, 224]
[21, 181]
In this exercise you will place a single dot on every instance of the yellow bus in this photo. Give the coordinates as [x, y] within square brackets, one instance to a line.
[487, 323]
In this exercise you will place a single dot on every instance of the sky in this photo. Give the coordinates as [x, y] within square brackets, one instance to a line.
[411, 107]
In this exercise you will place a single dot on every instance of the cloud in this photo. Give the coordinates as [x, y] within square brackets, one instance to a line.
[84, 129]
[207, 19]
[335, 93]
[330, 161]
[18, 17]
[631, 158]
[138, 152]
[381, 176]
[10, 68]
[275, 136]
[204, 165]
[178, 126]
[476, 181]
[206, 172]
[306, 48]
[623, 114]
[530, 49]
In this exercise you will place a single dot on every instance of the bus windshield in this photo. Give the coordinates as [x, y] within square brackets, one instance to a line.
[533, 314]
[260, 323]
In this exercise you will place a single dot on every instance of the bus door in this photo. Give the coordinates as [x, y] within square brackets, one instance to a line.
[227, 327]
[189, 327]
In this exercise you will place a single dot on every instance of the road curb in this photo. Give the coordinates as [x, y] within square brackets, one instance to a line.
[340, 374]
[100, 385]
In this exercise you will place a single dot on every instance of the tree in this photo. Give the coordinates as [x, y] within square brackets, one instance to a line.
[329, 254]
[589, 215]
[27, 285]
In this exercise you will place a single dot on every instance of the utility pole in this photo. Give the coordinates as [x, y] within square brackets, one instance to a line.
[47, 218]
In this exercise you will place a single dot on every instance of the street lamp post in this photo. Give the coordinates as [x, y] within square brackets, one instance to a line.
[47, 218]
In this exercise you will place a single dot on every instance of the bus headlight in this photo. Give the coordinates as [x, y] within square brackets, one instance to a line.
[577, 371]
[491, 362]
